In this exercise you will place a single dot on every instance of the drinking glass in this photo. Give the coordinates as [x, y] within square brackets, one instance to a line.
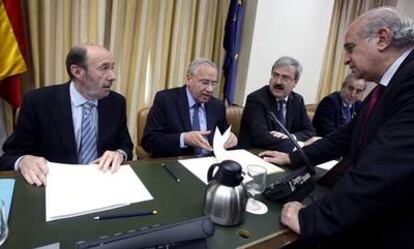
[4, 230]
[256, 186]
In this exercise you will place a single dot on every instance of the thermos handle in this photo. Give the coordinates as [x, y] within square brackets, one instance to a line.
[210, 172]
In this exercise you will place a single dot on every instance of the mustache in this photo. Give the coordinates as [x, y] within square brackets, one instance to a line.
[278, 86]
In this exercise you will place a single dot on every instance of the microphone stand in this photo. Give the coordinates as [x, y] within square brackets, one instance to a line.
[295, 185]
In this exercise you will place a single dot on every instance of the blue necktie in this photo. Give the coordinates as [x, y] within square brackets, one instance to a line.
[347, 114]
[279, 111]
[196, 126]
[87, 148]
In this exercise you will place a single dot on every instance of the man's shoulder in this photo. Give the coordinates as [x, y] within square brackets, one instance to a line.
[296, 96]
[47, 91]
[333, 97]
[169, 93]
[260, 94]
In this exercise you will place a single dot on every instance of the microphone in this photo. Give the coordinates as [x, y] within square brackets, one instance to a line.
[295, 185]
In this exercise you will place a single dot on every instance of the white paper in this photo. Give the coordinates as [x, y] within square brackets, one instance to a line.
[328, 165]
[74, 190]
[199, 166]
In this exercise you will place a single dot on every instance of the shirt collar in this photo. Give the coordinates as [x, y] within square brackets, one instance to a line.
[76, 98]
[386, 78]
[191, 100]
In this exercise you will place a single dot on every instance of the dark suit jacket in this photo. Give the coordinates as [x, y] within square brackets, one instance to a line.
[256, 125]
[373, 202]
[169, 116]
[328, 116]
[45, 127]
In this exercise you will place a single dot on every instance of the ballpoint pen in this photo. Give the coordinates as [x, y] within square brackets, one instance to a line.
[126, 215]
[170, 172]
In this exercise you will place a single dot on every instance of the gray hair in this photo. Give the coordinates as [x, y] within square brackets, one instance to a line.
[401, 26]
[197, 62]
[350, 78]
[289, 61]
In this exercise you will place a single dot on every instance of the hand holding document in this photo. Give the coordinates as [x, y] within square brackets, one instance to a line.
[74, 190]
[200, 166]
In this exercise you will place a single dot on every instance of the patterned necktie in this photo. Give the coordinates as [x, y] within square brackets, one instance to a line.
[280, 111]
[87, 148]
[196, 126]
[373, 100]
[347, 114]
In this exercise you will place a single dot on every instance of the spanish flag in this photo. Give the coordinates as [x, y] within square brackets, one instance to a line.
[12, 49]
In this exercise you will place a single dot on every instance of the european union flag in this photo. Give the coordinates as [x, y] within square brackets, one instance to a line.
[231, 44]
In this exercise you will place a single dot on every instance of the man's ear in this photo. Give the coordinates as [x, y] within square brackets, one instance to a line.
[384, 36]
[76, 71]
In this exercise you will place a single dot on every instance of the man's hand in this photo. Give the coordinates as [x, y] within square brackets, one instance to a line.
[290, 215]
[34, 170]
[196, 139]
[275, 157]
[109, 160]
[278, 135]
[311, 140]
[231, 142]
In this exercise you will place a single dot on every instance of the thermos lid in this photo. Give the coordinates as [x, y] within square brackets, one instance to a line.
[229, 173]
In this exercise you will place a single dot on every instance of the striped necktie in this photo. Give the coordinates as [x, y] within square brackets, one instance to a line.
[196, 126]
[280, 111]
[87, 148]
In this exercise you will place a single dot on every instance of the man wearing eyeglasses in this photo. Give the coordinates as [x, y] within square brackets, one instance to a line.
[257, 129]
[339, 108]
[182, 120]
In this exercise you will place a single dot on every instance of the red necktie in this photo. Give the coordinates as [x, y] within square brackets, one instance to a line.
[373, 100]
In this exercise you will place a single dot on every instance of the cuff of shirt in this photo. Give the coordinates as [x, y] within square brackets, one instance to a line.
[124, 154]
[182, 144]
[16, 164]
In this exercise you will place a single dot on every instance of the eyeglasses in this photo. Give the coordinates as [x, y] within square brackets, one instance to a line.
[207, 83]
[349, 47]
[282, 77]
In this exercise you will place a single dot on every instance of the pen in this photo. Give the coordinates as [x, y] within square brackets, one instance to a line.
[170, 173]
[117, 216]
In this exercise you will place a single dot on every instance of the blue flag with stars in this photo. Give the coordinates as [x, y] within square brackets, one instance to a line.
[231, 44]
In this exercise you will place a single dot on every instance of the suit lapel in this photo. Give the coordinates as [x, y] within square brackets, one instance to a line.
[289, 109]
[61, 112]
[182, 106]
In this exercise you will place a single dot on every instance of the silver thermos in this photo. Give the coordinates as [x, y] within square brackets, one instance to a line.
[226, 196]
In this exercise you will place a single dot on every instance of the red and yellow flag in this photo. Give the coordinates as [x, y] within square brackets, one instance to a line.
[12, 49]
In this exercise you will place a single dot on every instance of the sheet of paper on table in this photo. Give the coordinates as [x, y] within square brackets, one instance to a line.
[74, 190]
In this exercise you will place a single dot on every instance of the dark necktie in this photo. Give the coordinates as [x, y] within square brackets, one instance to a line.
[373, 100]
[279, 112]
[196, 126]
[87, 148]
[347, 113]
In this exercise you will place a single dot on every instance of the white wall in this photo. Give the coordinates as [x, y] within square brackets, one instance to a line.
[297, 28]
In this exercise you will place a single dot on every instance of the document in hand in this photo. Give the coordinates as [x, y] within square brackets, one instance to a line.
[74, 190]
[200, 166]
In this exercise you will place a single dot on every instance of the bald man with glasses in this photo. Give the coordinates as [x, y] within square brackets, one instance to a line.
[182, 120]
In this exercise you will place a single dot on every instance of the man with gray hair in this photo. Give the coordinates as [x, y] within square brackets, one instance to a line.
[338, 108]
[182, 120]
[257, 129]
[372, 204]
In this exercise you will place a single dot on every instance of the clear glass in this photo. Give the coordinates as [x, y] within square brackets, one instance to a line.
[255, 186]
[4, 230]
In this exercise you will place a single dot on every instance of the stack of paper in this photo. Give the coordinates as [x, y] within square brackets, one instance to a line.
[74, 190]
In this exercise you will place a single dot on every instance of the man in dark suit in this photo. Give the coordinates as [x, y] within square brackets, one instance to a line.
[257, 130]
[182, 120]
[372, 204]
[339, 108]
[82, 121]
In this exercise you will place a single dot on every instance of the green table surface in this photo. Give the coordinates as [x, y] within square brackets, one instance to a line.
[175, 202]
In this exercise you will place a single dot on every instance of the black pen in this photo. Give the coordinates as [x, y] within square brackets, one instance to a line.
[117, 216]
[170, 172]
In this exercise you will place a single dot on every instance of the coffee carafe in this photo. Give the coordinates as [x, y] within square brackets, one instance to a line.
[226, 196]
